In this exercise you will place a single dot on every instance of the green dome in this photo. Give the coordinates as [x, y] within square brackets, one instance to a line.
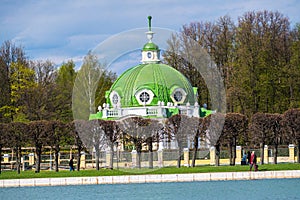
[150, 46]
[161, 81]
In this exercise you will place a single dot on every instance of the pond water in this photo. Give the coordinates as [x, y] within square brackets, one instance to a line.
[250, 189]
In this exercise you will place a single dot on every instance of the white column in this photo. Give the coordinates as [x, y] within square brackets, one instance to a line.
[238, 154]
[134, 159]
[104, 113]
[82, 160]
[160, 158]
[212, 154]
[291, 153]
[186, 157]
[266, 154]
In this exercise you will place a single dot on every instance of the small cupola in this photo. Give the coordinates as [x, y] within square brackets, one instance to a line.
[150, 51]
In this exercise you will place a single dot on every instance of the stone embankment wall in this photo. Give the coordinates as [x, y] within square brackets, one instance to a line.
[150, 178]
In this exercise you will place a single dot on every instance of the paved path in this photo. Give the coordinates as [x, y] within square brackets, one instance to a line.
[149, 178]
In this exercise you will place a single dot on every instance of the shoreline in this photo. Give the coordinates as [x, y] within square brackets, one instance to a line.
[149, 178]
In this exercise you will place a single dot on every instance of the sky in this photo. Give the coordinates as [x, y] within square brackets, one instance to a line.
[65, 30]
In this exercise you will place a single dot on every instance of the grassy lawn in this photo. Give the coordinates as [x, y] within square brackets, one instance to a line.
[166, 170]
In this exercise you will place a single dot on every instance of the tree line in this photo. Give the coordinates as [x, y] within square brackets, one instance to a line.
[234, 129]
[40, 90]
[258, 57]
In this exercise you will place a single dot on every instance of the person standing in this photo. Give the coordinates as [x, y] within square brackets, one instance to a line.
[248, 157]
[253, 161]
[71, 164]
[244, 159]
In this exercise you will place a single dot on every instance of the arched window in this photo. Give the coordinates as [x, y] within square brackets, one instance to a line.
[144, 96]
[178, 95]
[115, 99]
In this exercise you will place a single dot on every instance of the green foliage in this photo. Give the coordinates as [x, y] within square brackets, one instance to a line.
[12, 59]
[64, 87]
[258, 58]
[21, 78]
[90, 85]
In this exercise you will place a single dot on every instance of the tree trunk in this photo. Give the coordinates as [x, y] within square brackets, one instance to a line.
[97, 156]
[150, 154]
[111, 161]
[38, 160]
[275, 153]
[217, 158]
[138, 159]
[230, 154]
[79, 149]
[262, 153]
[78, 159]
[56, 152]
[18, 161]
[196, 138]
[234, 155]
[234, 151]
[179, 155]
[138, 156]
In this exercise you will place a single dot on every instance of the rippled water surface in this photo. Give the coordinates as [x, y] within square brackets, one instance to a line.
[254, 189]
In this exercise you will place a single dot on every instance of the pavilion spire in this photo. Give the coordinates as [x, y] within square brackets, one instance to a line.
[149, 33]
[149, 23]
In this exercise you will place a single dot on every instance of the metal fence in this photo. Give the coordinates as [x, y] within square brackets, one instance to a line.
[124, 159]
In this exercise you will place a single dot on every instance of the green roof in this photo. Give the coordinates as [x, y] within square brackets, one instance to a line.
[150, 46]
[161, 79]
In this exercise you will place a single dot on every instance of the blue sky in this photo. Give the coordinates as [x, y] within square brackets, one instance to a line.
[63, 30]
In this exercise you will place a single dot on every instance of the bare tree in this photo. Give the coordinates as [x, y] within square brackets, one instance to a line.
[18, 139]
[213, 125]
[138, 130]
[198, 133]
[173, 126]
[38, 136]
[3, 140]
[180, 128]
[155, 126]
[291, 120]
[93, 136]
[260, 129]
[55, 137]
[74, 134]
[234, 126]
[112, 135]
[276, 132]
